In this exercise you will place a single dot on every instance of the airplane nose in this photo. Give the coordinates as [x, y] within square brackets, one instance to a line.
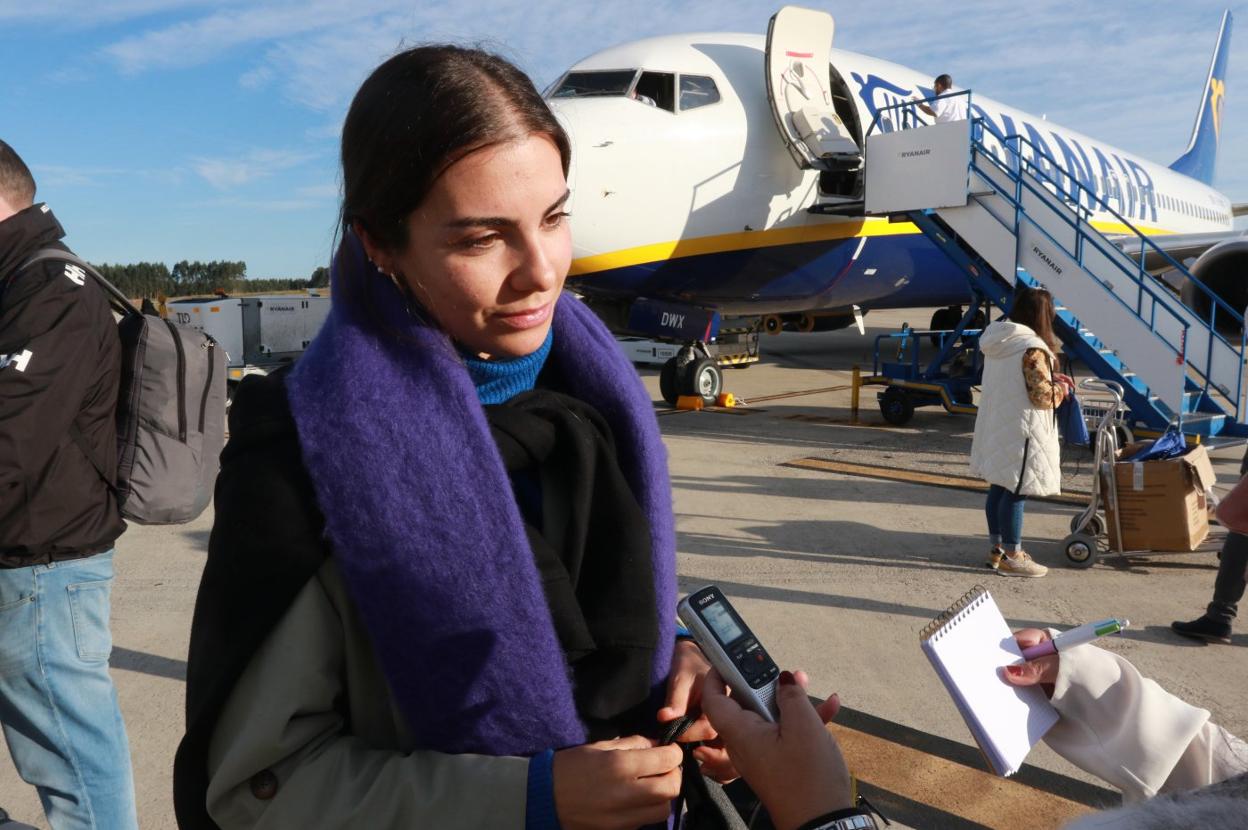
[565, 113]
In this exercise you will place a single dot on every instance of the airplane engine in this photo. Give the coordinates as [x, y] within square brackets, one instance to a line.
[1224, 270]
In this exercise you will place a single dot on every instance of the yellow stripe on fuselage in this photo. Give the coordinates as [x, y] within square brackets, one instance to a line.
[1118, 227]
[746, 240]
[740, 241]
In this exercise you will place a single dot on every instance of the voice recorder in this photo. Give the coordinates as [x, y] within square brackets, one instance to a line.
[732, 649]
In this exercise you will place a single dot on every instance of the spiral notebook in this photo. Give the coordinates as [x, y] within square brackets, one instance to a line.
[968, 645]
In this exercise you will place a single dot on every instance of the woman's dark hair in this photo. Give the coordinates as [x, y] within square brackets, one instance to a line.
[1033, 307]
[412, 118]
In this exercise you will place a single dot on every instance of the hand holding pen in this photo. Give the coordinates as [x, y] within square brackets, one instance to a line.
[1042, 652]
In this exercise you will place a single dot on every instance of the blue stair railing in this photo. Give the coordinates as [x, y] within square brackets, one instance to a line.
[1220, 314]
[909, 115]
[1171, 327]
[1026, 173]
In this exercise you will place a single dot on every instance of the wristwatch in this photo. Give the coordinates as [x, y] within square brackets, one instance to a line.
[853, 818]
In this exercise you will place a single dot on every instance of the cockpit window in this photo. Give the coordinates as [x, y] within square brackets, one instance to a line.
[697, 91]
[596, 83]
[658, 88]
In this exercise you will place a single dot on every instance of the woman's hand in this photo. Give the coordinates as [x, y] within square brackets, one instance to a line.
[620, 784]
[1067, 382]
[684, 695]
[795, 766]
[1040, 672]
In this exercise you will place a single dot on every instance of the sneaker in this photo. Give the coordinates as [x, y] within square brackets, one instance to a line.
[994, 557]
[1204, 628]
[1020, 564]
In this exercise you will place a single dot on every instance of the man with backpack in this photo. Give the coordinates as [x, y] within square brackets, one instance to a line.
[60, 369]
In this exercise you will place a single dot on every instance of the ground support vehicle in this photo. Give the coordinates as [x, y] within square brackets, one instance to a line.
[259, 334]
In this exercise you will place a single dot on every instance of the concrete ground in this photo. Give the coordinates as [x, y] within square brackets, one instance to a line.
[836, 573]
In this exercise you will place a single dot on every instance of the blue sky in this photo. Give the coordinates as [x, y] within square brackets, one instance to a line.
[162, 130]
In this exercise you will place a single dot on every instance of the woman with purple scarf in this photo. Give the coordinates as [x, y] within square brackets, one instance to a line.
[440, 587]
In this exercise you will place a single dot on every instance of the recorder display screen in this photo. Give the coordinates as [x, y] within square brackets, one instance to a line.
[721, 622]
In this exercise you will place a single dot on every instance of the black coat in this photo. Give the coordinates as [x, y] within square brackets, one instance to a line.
[60, 366]
[267, 542]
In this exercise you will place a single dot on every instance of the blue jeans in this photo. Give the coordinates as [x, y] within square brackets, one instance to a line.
[58, 706]
[1005, 518]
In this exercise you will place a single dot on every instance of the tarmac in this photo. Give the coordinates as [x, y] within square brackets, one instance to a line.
[836, 571]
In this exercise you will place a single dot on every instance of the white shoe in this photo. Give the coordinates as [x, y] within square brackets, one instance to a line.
[1020, 564]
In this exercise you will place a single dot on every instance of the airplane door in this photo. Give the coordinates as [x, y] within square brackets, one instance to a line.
[799, 44]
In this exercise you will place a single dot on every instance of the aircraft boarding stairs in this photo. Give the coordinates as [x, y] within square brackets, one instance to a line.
[1005, 211]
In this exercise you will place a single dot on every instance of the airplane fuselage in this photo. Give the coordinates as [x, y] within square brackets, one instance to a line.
[705, 206]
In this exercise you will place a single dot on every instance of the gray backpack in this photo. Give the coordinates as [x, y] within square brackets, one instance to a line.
[170, 412]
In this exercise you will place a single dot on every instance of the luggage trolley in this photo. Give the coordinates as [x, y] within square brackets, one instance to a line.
[1087, 530]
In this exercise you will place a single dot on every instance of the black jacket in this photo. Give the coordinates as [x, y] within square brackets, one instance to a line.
[267, 542]
[60, 366]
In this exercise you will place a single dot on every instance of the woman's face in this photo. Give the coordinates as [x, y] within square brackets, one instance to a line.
[489, 247]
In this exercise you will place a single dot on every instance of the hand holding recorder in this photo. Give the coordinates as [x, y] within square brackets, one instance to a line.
[795, 766]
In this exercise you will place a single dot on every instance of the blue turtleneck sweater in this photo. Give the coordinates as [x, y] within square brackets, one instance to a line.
[501, 380]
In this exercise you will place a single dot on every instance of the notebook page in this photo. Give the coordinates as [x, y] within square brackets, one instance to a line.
[968, 653]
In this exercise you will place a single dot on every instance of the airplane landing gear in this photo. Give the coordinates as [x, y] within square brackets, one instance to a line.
[691, 372]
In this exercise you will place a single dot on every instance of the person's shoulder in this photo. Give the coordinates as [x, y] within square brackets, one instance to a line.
[43, 277]
[1037, 356]
[51, 293]
[260, 410]
[262, 469]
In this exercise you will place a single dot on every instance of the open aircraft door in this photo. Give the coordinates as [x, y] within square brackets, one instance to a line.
[799, 44]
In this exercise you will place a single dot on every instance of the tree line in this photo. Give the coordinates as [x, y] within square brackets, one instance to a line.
[155, 279]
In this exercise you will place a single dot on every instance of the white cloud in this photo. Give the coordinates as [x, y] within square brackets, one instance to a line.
[291, 205]
[228, 173]
[257, 78]
[203, 39]
[322, 71]
[67, 176]
[88, 13]
[56, 175]
[1129, 78]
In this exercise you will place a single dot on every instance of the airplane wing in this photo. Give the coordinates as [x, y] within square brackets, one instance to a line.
[1182, 247]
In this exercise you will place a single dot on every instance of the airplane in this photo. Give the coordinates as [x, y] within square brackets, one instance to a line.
[720, 175]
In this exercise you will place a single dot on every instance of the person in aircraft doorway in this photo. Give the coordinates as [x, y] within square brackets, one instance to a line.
[944, 109]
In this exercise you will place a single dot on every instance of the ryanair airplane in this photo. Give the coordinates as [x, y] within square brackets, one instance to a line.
[690, 205]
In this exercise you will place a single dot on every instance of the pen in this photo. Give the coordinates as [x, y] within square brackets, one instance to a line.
[1085, 633]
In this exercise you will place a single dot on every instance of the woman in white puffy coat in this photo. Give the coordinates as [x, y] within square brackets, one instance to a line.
[1016, 448]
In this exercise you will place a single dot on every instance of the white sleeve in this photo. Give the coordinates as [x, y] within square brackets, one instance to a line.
[1213, 755]
[1124, 728]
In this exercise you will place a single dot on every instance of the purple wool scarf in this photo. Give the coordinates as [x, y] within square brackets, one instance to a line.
[425, 529]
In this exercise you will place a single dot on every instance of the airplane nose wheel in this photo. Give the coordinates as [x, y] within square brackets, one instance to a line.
[690, 374]
[704, 379]
[667, 381]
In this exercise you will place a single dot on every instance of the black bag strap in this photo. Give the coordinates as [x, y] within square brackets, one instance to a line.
[708, 805]
[119, 301]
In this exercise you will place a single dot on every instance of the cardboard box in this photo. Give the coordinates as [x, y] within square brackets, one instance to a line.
[1162, 503]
